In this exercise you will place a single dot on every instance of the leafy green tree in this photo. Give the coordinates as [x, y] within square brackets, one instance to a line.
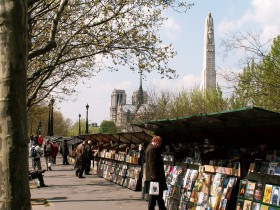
[39, 115]
[14, 190]
[74, 130]
[70, 40]
[166, 104]
[258, 83]
[107, 127]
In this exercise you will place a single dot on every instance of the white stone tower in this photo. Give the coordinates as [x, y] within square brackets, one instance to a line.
[209, 73]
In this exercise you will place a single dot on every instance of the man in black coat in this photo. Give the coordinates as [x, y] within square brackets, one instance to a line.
[155, 171]
[89, 157]
[81, 158]
[65, 152]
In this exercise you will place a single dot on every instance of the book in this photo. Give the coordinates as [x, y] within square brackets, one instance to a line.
[239, 204]
[198, 184]
[271, 167]
[249, 193]
[175, 171]
[264, 207]
[275, 195]
[202, 200]
[217, 184]
[273, 208]
[228, 189]
[256, 206]
[242, 188]
[185, 197]
[267, 193]
[213, 202]
[247, 205]
[223, 204]
[277, 170]
[258, 192]
[206, 185]
[189, 179]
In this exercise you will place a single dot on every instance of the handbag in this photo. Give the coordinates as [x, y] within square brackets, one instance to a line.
[154, 188]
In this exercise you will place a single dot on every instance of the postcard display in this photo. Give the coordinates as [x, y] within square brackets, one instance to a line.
[260, 190]
[197, 187]
[120, 168]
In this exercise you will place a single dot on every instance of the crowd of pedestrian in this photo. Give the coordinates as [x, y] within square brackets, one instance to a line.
[48, 151]
[84, 157]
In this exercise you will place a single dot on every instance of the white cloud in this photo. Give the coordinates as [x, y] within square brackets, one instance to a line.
[189, 81]
[186, 82]
[171, 28]
[262, 17]
[123, 85]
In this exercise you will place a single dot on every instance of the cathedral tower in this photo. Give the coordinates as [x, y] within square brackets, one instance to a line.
[118, 98]
[209, 73]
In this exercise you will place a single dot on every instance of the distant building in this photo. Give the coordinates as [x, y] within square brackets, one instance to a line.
[122, 113]
[209, 73]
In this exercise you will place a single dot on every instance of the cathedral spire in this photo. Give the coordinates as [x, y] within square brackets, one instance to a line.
[209, 73]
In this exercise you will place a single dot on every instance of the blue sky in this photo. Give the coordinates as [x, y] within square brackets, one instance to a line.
[186, 32]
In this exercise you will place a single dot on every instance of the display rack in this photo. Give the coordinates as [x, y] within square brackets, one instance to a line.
[259, 191]
[121, 169]
[195, 186]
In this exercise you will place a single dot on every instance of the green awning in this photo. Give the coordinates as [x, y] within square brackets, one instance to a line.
[250, 125]
[122, 137]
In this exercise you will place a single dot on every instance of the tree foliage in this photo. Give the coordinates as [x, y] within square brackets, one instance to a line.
[258, 83]
[74, 130]
[40, 115]
[166, 104]
[70, 40]
[107, 127]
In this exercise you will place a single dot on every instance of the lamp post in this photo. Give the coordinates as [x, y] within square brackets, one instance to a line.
[39, 128]
[87, 106]
[79, 124]
[50, 121]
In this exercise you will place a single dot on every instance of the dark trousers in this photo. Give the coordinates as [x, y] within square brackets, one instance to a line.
[88, 165]
[37, 175]
[153, 199]
[81, 164]
[65, 161]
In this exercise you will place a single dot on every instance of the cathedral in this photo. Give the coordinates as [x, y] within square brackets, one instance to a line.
[122, 113]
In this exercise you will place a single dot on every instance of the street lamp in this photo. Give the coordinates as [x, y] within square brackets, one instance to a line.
[39, 128]
[79, 124]
[50, 121]
[87, 106]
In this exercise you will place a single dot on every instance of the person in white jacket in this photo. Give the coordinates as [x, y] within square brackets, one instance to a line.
[36, 160]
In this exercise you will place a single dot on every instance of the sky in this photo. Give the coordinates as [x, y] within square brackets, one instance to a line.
[186, 33]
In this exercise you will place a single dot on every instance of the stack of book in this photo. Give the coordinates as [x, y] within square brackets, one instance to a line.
[258, 195]
[197, 189]
[174, 185]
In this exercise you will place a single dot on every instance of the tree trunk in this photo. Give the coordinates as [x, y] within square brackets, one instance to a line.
[14, 183]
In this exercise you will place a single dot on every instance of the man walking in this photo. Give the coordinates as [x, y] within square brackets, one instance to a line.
[48, 149]
[35, 154]
[65, 152]
[81, 159]
[155, 172]
[89, 158]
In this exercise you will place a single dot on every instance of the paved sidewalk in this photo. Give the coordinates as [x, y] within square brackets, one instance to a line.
[67, 192]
